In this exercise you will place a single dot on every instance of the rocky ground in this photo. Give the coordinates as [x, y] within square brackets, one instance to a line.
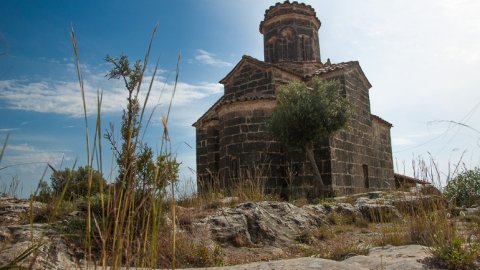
[253, 235]
[391, 258]
[21, 229]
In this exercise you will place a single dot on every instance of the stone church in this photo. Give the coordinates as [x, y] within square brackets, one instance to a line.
[233, 144]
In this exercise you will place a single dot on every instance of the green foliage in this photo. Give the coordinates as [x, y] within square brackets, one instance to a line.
[168, 168]
[464, 190]
[75, 182]
[145, 168]
[137, 165]
[305, 115]
[126, 155]
[456, 253]
[44, 192]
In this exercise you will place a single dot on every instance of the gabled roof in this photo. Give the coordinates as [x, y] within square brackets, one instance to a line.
[201, 118]
[261, 64]
[328, 68]
[249, 97]
[221, 101]
[401, 179]
[381, 120]
[245, 59]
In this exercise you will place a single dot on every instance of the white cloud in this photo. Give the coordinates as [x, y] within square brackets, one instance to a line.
[7, 129]
[30, 157]
[401, 141]
[65, 97]
[210, 59]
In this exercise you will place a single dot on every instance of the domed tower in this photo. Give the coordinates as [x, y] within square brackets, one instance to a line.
[290, 36]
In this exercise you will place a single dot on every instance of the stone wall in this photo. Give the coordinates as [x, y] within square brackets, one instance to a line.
[357, 156]
[383, 161]
[207, 154]
[247, 151]
[250, 80]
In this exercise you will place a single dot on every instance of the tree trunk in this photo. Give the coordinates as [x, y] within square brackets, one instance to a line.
[316, 172]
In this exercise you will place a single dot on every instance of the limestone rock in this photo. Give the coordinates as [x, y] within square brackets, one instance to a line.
[261, 223]
[377, 210]
[391, 258]
[17, 211]
[16, 236]
[411, 202]
[388, 258]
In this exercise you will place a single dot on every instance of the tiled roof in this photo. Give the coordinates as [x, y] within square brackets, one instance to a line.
[223, 101]
[403, 179]
[204, 115]
[327, 68]
[381, 120]
[247, 98]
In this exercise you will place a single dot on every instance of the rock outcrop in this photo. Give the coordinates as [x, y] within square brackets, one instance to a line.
[261, 223]
[257, 224]
[18, 235]
[253, 225]
[391, 258]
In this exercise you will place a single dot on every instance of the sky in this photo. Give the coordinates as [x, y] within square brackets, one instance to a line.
[422, 58]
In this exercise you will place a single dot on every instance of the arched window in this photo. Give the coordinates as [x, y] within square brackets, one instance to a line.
[287, 43]
[270, 50]
[305, 47]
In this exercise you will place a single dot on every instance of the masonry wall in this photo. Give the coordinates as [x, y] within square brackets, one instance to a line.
[382, 166]
[351, 149]
[252, 81]
[207, 154]
[247, 150]
[356, 164]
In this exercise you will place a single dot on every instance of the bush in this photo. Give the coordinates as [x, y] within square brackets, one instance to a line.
[75, 182]
[464, 190]
[456, 253]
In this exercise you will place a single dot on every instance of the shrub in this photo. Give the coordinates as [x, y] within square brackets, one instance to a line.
[44, 192]
[75, 182]
[456, 253]
[464, 190]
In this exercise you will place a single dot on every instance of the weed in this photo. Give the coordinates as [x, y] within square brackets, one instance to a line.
[455, 252]
[343, 249]
[310, 237]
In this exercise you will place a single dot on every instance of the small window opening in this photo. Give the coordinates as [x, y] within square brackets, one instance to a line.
[365, 176]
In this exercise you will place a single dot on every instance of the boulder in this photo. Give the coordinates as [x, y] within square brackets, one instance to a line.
[377, 210]
[261, 223]
[413, 203]
[18, 211]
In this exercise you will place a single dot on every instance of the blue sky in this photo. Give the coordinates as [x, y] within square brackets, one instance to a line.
[422, 58]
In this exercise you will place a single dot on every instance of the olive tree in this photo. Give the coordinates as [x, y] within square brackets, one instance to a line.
[306, 114]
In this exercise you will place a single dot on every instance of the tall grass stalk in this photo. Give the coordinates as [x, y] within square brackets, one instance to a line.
[88, 245]
[4, 147]
[129, 224]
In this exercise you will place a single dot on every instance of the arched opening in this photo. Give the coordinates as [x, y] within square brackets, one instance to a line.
[287, 43]
[270, 50]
